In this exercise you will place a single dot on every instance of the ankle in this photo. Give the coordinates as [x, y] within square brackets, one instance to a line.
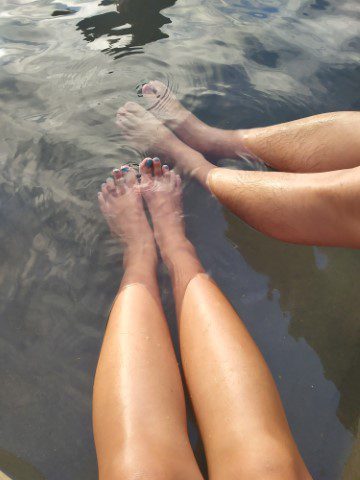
[143, 254]
[180, 254]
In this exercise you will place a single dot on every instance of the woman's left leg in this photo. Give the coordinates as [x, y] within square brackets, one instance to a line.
[241, 419]
[139, 410]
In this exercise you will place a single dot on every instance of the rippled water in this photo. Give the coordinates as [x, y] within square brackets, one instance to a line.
[64, 70]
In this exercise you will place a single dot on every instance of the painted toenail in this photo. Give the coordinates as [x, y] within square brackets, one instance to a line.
[166, 167]
[156, 159]
[116, 172]
[149, 163]
[146, 89]
[125, 169]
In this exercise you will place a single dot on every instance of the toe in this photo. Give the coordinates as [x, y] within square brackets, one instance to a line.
[157, 167]
[110, 186]
[146, 166]
[131, 119]
[166, 171]
[120, 188]
[104, 190]
[129, 176]
[119, 120]
[172, 179]
[121, 112]
[101, 200]
[132, 107]
[117, 174]
[127, 122]
[154, 88]
[178, 181]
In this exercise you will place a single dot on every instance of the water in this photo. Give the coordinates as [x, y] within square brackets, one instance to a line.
[234, 64]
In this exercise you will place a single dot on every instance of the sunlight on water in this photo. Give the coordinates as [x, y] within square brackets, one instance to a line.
[65, 69]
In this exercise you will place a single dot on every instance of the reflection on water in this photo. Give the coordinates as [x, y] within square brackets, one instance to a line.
[321, 319]
[126, 31]
[233, 63]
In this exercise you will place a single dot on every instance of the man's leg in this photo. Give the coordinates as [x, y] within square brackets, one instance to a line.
[330, 141]
[309, 208]
[139, 409]
[241, 419]
[321, 143]
[313, 208]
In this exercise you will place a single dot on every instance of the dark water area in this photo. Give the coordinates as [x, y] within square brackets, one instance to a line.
[64, 69]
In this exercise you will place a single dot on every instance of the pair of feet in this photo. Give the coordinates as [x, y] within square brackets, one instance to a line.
[169, 130]
[121, 202]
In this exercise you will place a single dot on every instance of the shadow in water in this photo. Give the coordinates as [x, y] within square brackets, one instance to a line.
[125, 31]
[314, 286]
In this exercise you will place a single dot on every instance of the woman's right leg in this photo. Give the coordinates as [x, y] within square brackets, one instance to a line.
[139, 410]
[240, 415]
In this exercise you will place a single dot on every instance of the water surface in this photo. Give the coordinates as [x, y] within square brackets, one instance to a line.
[236, 64]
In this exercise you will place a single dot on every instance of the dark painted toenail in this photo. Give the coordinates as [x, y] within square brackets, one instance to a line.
[156, 159]
[125, 169]
[166, 167]
[149, 163]
[116, 172]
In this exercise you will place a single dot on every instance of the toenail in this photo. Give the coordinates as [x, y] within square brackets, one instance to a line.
[116, 172]
[149, 163]
[156, 159]
[166, 167]
[125, 169]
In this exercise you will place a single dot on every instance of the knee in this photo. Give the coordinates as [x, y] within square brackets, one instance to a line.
[136, 471]
[264, 462]
[145, 469]
[115, 473]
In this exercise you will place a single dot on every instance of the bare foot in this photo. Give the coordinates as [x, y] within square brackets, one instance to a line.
[121, 203]
[188, 128]
[143, 131]
[161, 188]
[148, 135]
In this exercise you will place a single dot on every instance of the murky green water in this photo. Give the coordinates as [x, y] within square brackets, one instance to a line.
[235, 64]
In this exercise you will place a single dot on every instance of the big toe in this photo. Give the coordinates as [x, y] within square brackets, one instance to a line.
[133, 107]
[154, 88]
[146, 167]
[129, 176]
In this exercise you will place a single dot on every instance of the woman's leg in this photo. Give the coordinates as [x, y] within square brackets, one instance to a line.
[241, 419]
[330, 141]
[138, 410]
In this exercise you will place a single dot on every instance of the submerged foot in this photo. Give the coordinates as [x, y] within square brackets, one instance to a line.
[161, 189]
[148, 135]
[143, 131]
[188, 128]
[121, 203]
